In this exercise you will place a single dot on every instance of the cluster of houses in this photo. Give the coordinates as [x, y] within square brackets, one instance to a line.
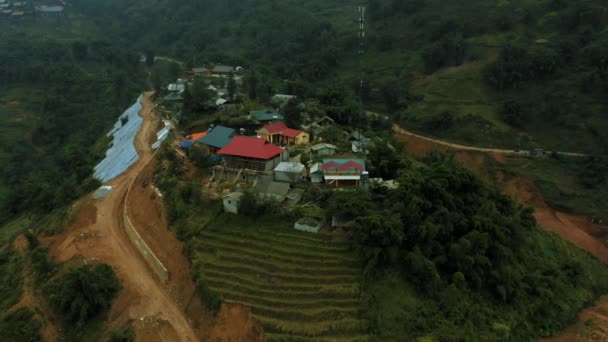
[263, 160]
[176, 90]
[269, 158]
[20, 9]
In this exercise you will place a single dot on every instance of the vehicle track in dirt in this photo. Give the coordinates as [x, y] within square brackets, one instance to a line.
[98, 235]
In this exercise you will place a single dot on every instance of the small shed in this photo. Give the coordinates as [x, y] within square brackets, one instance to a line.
[289, 172]
[316, 174]
[307, 224]
[324, 149]
[232, 202]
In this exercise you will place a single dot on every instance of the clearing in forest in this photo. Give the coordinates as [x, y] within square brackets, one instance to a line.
[297, 285]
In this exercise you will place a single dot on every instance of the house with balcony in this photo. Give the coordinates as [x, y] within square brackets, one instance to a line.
[343, 172]
[278, 133]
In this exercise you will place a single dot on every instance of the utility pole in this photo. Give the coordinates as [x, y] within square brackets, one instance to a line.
[361, 12]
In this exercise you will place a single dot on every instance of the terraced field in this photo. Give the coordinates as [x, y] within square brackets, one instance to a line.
[299, 286]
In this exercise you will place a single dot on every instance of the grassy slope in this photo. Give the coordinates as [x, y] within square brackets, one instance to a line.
[298, 285]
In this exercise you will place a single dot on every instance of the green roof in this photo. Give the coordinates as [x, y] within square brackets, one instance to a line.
[265, 115]
[173, 97]
[218, 137]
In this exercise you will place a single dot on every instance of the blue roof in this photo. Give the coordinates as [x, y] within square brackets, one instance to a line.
[218, 137]
[186, 144]
[265, 115]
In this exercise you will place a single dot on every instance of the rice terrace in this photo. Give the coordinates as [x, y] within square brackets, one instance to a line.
[297, 285]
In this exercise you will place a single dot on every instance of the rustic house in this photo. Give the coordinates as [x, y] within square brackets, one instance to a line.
[289, 172]
[324, 149]
[251, 153]
[343, 172]
[358, 142]
[315, 173]
[279, 133]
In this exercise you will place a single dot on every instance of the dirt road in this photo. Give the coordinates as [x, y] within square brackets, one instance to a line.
[400, 130]
[98, 235]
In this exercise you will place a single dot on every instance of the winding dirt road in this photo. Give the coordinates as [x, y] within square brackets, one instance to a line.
[98, 235]
[400, 130]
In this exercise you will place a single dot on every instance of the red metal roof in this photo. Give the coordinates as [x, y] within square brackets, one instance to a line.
[349, 165]
[282, 129]
[251, 148]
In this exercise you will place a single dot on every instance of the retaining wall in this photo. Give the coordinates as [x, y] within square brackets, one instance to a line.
[137, 240]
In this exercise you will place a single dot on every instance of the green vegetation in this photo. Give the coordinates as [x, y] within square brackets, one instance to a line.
[470, 263]
[20, 325]
[567, 184]
[295, 284]
[82, 293]
[54, 117]
[124, 335]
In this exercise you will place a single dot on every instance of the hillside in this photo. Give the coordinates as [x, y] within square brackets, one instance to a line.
[512, 74]
[435, 253]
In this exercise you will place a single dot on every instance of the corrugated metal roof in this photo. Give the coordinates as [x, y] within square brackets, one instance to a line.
[251, 148]
[289, 167]
[322, 146]
[218, 137]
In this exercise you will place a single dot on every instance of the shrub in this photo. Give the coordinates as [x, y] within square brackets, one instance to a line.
[82, 293]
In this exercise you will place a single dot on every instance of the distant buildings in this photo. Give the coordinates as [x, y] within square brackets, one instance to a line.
[265, 115]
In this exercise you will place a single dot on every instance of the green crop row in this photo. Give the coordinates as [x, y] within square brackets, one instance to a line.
[238, 268]
[340, 327]
[267, 284]
[286, 242]
[281, 267]
[305, 315]
[211, 244]
[271, 337]
[284, 303]
[278, 292]
[273, 248]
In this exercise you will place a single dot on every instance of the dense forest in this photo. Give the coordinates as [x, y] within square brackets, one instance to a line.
[70, 93]
[474, 71]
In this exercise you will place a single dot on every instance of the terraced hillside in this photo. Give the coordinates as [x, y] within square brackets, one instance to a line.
[299, 286]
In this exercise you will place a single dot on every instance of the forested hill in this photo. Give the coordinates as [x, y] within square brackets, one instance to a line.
[515, 74]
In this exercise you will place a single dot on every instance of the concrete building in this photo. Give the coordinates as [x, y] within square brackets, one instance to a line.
[232, 202]
[289, 172]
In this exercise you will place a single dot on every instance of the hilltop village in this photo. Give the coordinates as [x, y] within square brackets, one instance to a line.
[27, 8]
[265, 148]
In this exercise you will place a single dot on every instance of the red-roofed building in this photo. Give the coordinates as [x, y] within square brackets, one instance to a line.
[341, 172]
[279, 133]
[251, 153]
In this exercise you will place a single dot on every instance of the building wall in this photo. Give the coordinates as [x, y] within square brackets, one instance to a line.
[303, 138]
[316, 178]
[288, 177]
[326, 152]
[231, 205]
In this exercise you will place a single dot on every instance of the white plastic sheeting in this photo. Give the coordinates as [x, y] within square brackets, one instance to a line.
[162, 134]
[122, 154]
